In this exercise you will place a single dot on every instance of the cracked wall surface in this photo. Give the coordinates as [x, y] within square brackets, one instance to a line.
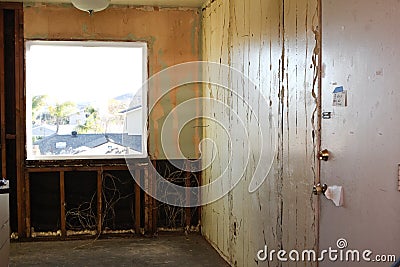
[276, 44]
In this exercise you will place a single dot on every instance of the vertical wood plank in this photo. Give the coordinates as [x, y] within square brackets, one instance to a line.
[154, 210]
[187, 185]
[62, 204]
[199, 209]
[99, 201]
[150, 203]
[137, 202]
[2, 100]
[19, 111]
[27, 207]
[147, 201]
[17, 90]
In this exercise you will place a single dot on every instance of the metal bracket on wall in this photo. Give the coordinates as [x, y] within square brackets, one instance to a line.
[327, 115]
[319, 189]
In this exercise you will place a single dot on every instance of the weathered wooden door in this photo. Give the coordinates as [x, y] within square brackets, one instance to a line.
[361, 90]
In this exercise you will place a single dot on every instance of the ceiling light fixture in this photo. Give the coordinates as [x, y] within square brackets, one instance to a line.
[91, 6]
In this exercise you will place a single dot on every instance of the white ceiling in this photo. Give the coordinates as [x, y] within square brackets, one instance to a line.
[161, 3]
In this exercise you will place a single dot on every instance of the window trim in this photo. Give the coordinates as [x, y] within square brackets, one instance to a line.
[99, 43]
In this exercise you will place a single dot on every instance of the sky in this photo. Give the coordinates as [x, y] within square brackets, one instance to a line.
[81, 73]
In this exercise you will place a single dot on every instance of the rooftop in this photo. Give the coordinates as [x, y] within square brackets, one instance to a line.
[74, 144]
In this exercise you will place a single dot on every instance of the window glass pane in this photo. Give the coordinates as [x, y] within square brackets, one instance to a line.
[85, 99]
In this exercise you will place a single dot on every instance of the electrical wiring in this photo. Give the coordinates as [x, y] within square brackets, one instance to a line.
[118, 193]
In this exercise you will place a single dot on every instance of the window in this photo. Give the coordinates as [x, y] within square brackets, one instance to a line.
[85, 99]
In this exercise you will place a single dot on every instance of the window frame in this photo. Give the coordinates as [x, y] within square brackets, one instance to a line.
[144, 88]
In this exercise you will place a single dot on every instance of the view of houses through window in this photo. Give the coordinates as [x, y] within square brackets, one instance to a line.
[85, 99]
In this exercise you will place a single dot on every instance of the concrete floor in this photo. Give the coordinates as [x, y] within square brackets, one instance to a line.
[164, 250]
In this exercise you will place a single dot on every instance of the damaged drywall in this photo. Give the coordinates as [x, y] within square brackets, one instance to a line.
[172, 36]
[276, 44]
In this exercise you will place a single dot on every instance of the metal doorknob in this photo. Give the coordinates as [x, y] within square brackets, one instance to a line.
[324, 155]
[319, 189]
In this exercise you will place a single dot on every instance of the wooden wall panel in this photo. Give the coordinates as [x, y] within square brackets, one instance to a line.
[274, 43]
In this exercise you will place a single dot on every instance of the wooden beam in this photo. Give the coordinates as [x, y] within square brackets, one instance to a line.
[2, 100]
[199, 178]
[9, 5]
[79, 168]
[137, 201]
[147, 217]
[99, 201]
[187, 185]
[27, 207]
[19, 112]
[154, 210]
[11, 136]
[62, 205]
